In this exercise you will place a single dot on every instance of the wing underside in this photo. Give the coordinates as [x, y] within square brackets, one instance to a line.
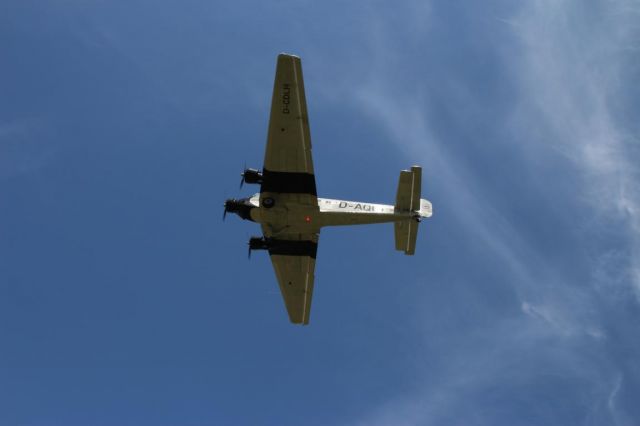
[289, 188]
[288, 164]
[294, 262]
[289, 139]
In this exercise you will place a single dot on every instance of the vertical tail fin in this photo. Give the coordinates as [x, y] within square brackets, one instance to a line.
[408, 201]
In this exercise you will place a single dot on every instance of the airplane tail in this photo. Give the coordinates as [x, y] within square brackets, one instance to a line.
[408, 200]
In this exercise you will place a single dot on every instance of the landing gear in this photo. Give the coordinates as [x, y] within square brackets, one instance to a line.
[268, 202]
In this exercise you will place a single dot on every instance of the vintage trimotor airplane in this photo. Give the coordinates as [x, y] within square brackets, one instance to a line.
[288, 208]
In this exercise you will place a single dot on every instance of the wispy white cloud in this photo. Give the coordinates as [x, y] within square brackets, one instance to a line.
[569, 73]
[573, 74]
[611, 401]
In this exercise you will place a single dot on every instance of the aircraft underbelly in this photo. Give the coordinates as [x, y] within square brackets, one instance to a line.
[284, 220]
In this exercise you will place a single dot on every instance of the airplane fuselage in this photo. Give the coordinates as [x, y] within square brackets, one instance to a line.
[328, 212]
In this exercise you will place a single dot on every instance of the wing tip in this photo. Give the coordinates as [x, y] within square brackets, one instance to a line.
[288, 55]
[297, 321]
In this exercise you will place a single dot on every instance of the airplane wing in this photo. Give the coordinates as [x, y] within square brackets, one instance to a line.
[288, 167]
[288, 190]
[294, 261]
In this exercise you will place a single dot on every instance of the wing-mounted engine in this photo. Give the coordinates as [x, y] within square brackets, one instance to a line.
[258, 243]
[251, 176]
[282, 247]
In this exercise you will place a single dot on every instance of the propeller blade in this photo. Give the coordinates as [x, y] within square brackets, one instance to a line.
[224, 215]
[249, 256]
[244, 168]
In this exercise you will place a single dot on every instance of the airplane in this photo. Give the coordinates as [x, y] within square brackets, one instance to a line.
[288, 208]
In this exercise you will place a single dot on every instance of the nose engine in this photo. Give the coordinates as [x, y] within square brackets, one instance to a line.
[239, 207]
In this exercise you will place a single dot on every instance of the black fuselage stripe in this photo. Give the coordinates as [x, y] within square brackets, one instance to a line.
[288, 182]
[293, 248]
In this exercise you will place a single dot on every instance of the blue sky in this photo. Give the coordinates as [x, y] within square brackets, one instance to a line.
[124, 299]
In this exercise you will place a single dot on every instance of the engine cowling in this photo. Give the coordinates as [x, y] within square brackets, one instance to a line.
[258, 243]
[252, 176]
[240, 207]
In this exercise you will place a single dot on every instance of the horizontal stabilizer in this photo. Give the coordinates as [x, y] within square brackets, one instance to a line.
[408, 201]
[406, 233]
[409, 186]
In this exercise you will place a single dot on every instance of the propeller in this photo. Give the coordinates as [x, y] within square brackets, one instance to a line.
[228, 206]
[244, 167]
[250, 176]
[226, 209]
